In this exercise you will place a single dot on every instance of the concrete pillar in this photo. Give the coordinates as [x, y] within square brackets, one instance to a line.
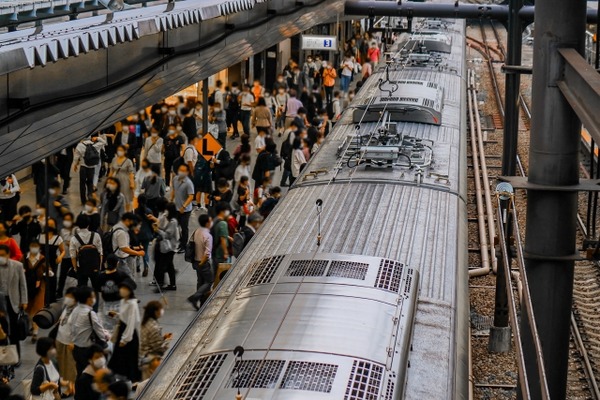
[551, 215]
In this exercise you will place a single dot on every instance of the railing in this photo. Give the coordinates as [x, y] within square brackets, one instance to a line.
[526, 304]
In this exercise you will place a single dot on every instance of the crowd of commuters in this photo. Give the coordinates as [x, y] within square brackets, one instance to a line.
[139, 184]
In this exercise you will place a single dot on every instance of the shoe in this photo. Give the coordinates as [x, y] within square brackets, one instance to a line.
[170, 287]
[194, 303]
[138, 270]
[17, 365]
[153, 283]
[64, 191]
[145, 273]
[33, 338]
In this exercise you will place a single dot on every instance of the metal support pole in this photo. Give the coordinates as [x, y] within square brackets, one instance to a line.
[551, 215]
[46, 233]
[500, 337]
[205, 90]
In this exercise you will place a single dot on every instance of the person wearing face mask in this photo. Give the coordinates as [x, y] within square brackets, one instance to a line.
[86, 157]
[14, 285]
[153, 188]
[153, 149]
[9, 197]
[34, 264]
[84, 385]
[220, 234]
[218, 116]
[336, 106]
[46, 377]
[127, 140]
[108, 283]
[125, 338]
[102, 381]
[173, 145]
[112, 204]
[56, 253]
[188, 125]
[140, 176]
[167, 227]
[121, 243]
[118, 391]
[153, 342]
[66, 363]
[84, 321]
[66, 234]
[280, 100]
[246, 100]
[59, 205]
[203, 242]
[122, 169]
[26, 226]
[183, 195]
[91, 211]
[309, 71]
[329, 75]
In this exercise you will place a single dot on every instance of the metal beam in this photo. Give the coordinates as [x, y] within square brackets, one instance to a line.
[580, 85]
[499, 12]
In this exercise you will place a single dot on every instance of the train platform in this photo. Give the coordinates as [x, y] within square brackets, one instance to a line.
[178, 312]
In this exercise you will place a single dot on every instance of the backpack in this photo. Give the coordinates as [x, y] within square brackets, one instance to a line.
[189, 254]
[211, 99]
[233, 101]
[107, 237]
[273, 161]
[91, 157]
[88, 256]
[286, 147]
[179, 161]
[239, 240]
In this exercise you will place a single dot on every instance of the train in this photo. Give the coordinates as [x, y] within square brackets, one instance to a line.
[356, 286]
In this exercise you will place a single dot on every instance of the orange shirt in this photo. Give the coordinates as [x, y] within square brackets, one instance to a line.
[329, 75]
[257, 91]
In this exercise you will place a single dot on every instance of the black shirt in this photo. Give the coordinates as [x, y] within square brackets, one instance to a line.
[27, 231]
[109, 285]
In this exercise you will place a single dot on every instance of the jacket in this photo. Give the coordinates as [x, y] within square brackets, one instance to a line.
[329, 75]
[17, 285]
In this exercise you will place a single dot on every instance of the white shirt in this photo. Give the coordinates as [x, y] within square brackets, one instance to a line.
[349, 68]
[219, 97]
[247, 99]
[153, 151]
[11, 188]
[139, 180]
[79, 153]
[190, 154]
[297, 160]
[259, 142]
[129, 313]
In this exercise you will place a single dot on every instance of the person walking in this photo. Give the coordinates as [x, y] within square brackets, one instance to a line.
[35, 270]
[86, 158]
[183, 195]
[124, 360]
[153, 343]
[203, 243]
[66, 362]
[13, 286]
[246, 100]
[168, 231]
[113, 204]
[123, 170]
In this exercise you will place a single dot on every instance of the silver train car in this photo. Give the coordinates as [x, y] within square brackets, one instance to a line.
[356, 285]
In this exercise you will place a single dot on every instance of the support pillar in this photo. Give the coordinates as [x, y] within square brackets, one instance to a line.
[551, 215]
[205, 90]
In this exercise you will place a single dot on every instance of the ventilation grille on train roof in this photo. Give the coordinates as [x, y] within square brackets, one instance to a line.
[309, 376]
[197, 379]
[307, 268]
[389, 390]
[365, 381]
[260, 374]
[265, 270]
[389, 275]
[348, 269]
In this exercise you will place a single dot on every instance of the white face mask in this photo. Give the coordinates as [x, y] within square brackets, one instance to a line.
[100, 363]
[217, 110]
[67, 224]
[179, 128]
[3, 260]
[88, 208]
[68, 301]
[161, 313]
[164, 109]
[134, 118]
[52, 354]
[111, 187]
[38, 211]
[172, 113]
[52, 192]
[182, 174]
[120, 153]
[34, 250]
[154, 134]
[226, 213]
[171, 131]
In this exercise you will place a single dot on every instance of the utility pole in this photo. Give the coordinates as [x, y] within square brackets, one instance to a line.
[550, 244]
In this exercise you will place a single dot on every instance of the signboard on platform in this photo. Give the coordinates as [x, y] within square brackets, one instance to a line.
[208, 146]
[313, 42]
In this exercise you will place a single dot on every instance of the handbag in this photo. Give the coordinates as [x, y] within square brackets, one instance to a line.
[27, 389]
[166, 246]
[94, 336]
[112, 218]
[22, 325]
[9, 355]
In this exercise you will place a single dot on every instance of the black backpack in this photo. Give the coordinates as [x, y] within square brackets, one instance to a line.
[107, 237]
[211, 99]
[91, 157]
[239, 240]
[189, 254]
[286, 148]
[179, 161]
[233, 102]
[88, 256]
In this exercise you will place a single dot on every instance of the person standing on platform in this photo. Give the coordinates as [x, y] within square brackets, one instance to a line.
[218, 116]
[9, 197]
[220, 235]
[153, 149]
[203, 242]
[174, 145]
[64, 159]
[92, 252]
[66, 233]
[112, 204]
[34, 264]
[13, 286]
[246, 100]
[233, 110]
[14, 251]
[123, 170]
[126, 334]
[347, 71]
[329, 76]
[108, 284]
[183, 195]
[292, 107]
[26, 226]
[121, 243]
